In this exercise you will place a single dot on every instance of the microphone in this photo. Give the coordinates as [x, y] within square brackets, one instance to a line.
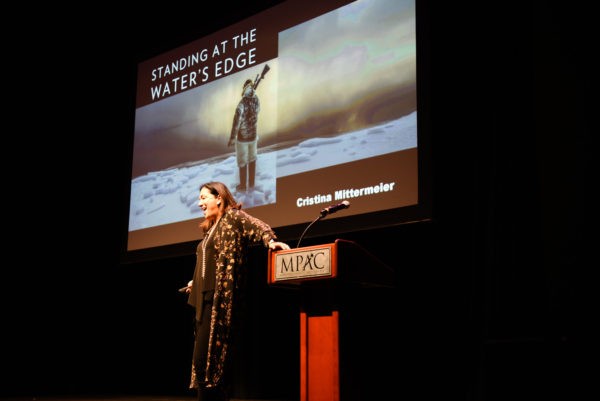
[328, 210]
[334, 208]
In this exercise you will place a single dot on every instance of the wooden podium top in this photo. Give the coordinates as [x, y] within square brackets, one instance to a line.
[341, 260]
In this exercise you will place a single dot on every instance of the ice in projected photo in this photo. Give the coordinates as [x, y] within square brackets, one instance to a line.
[172, 195]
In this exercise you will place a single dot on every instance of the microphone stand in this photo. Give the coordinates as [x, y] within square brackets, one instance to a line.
[328, 210]
[307, 227]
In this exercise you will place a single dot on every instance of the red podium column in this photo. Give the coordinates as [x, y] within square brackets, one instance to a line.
[319, 357]
[323, 273]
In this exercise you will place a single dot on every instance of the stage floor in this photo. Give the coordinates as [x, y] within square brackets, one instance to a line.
[113, 398]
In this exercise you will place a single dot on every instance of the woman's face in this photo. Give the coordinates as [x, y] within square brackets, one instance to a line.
[209, 204]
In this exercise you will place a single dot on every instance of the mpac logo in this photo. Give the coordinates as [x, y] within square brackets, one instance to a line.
[305, 263]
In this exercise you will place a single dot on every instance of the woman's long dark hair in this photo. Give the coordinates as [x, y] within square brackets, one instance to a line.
[227, 200]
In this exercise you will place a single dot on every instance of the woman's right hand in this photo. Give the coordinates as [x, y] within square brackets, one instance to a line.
[187, 289]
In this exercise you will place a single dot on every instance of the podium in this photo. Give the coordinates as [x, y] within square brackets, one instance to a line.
[332, 279]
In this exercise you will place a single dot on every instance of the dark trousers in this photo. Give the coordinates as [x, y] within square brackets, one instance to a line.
[202, 333]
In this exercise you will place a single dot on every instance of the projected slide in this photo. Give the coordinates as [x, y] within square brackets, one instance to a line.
[326, 94]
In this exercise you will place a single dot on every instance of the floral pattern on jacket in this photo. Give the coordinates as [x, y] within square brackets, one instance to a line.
[235, 232]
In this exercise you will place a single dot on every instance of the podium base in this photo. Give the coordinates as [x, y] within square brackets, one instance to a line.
[319, 357]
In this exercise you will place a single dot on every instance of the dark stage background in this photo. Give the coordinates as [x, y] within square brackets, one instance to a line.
[491, 295]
